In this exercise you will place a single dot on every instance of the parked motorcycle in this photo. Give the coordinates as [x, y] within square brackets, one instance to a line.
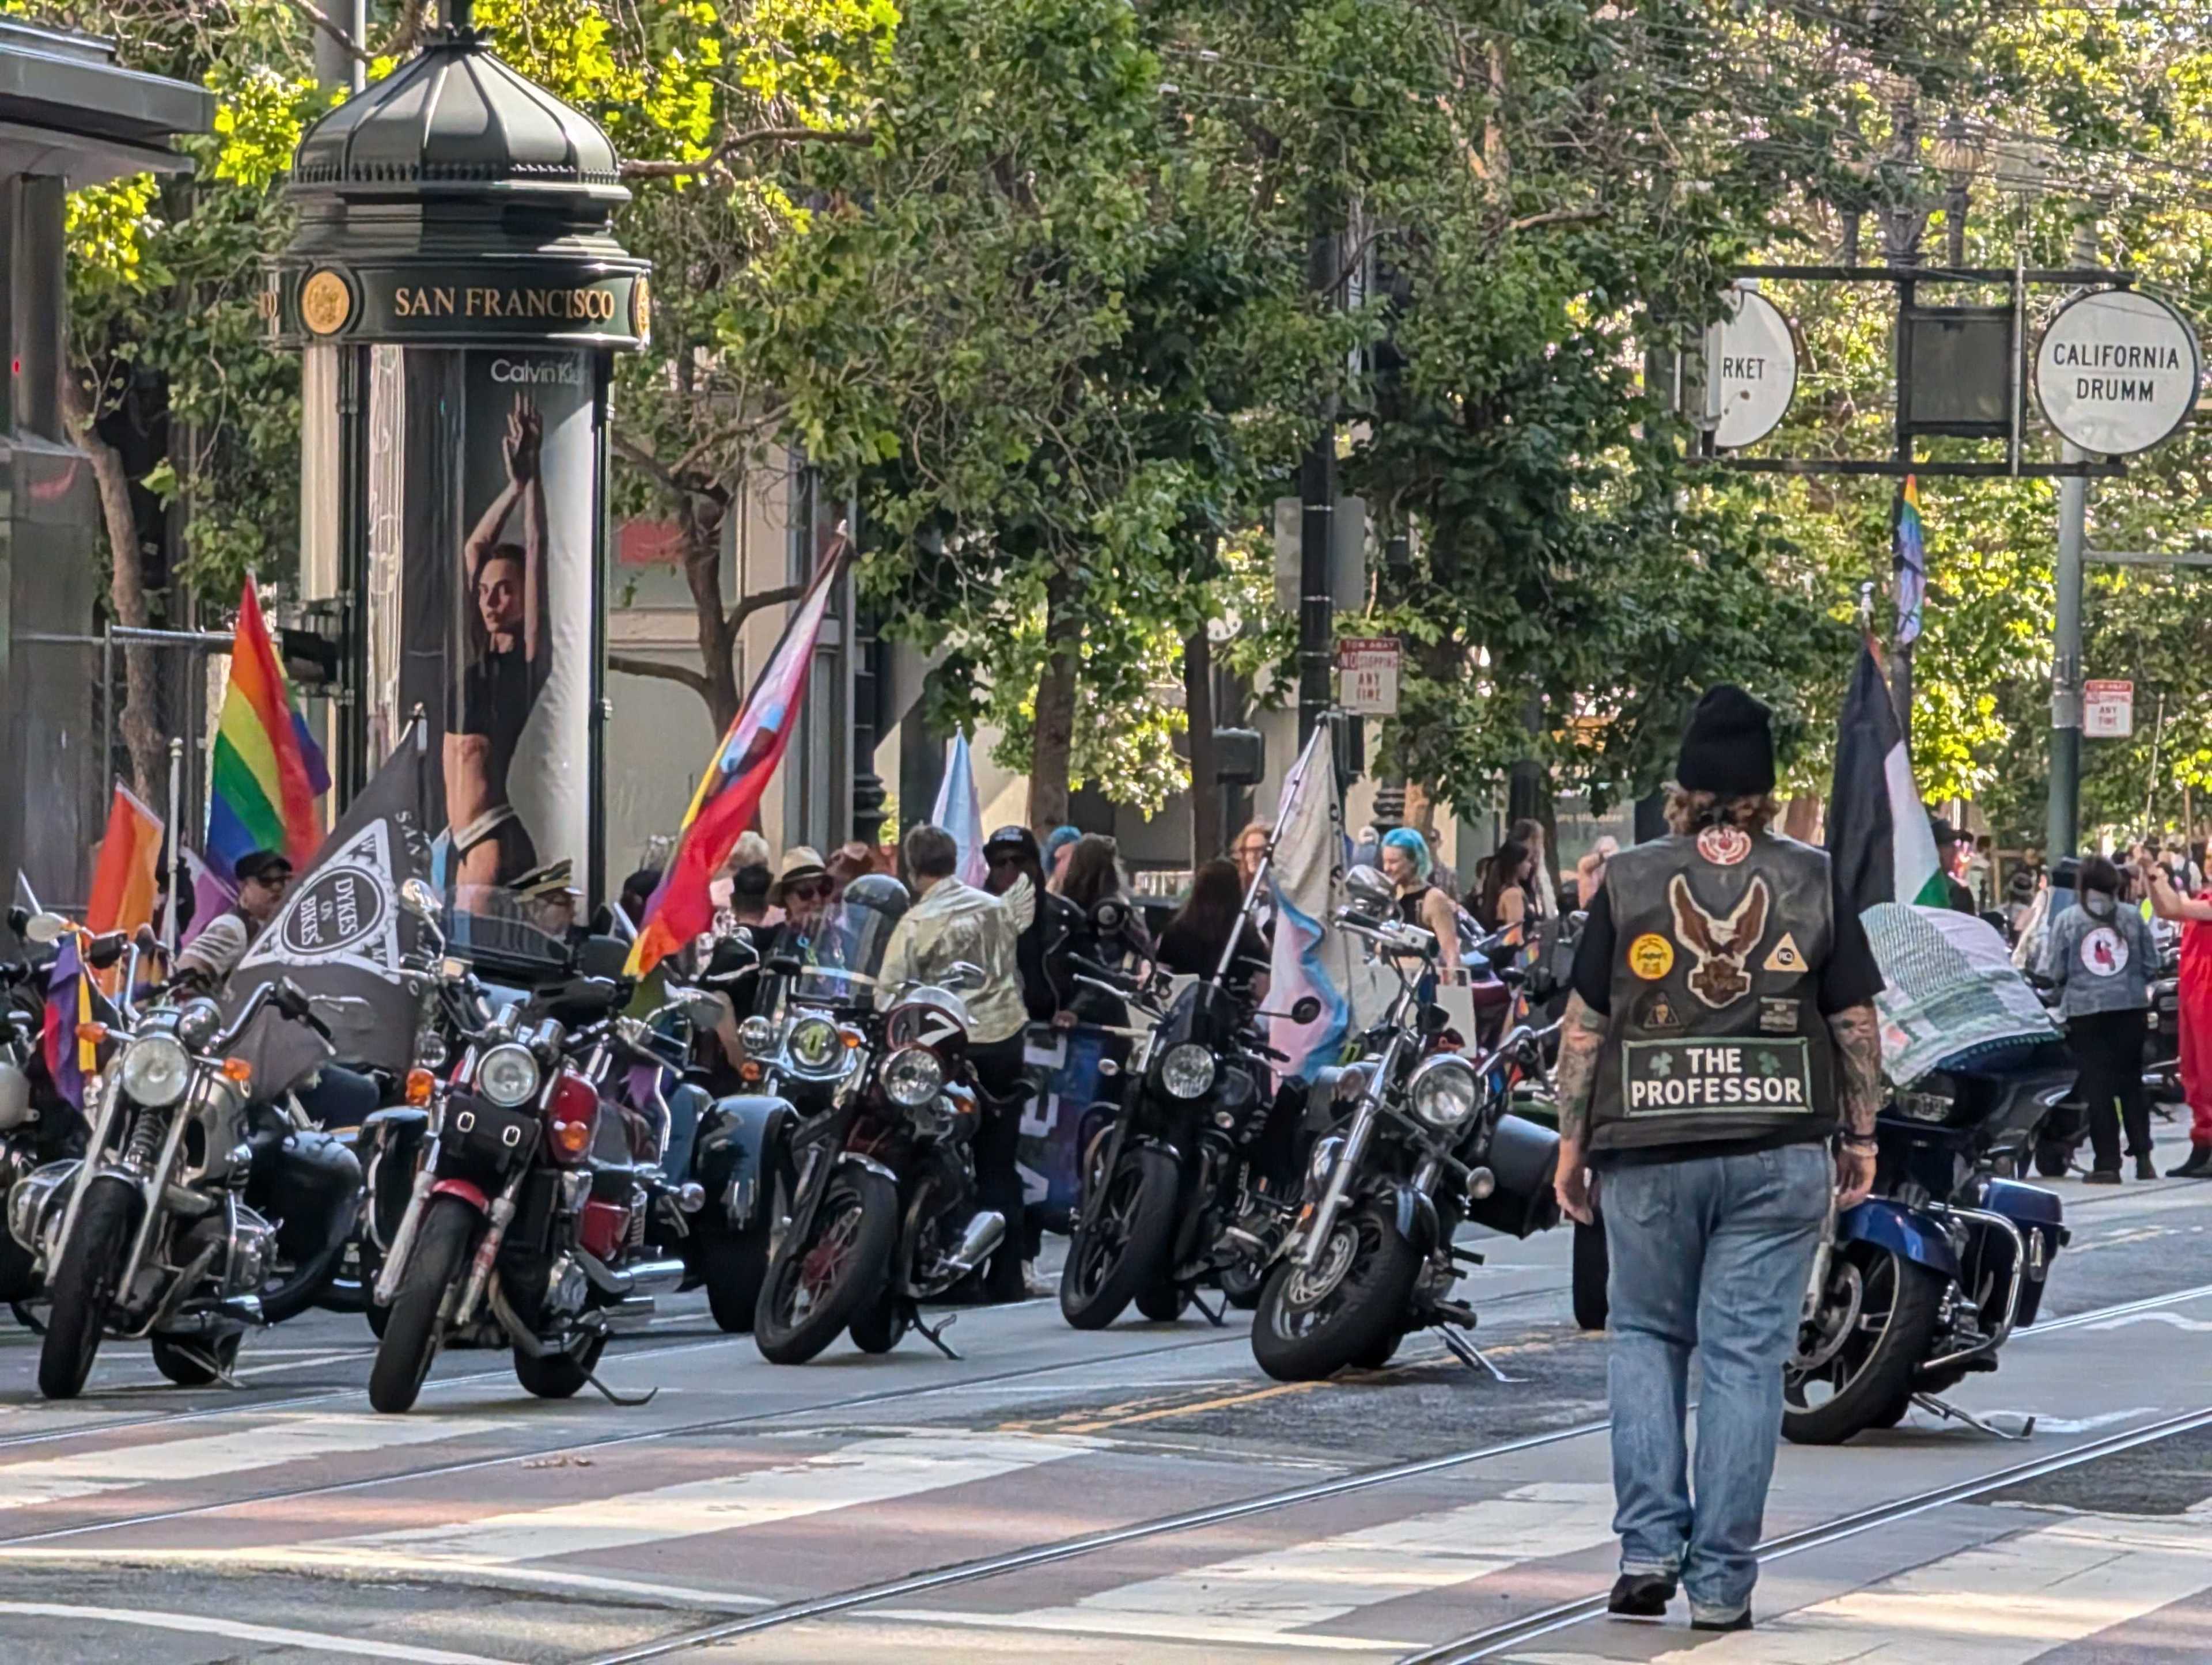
[37, 1124]
[527, 1218]
[150, 1235]
[882, 1202]
[1923, 1283]
[1421, 1142]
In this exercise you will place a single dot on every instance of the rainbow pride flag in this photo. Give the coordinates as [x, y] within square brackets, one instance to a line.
[268, 770]
[127, 878]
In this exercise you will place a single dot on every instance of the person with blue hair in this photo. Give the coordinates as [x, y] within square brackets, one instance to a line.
[1059, 845]
[1408, 864]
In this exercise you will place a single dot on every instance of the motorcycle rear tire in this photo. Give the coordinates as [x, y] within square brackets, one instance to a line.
[409, 1342]
[733, 1265]
[1378, 1286]
[561, 1375]
[1593, 1268]
[1886, 1376]
[1241, 1282]
[1093, 1292]
[2052, 1158]
[872, 1201]
[1382, 1353]
[1165, 1303]
[182, 1360]
[84, 1285]
[882, 1324]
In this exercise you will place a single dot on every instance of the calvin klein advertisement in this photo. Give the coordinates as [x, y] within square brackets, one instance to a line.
[498, 473]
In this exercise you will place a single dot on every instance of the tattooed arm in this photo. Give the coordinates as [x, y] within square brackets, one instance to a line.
[1582, 1034]
[1858, 1090]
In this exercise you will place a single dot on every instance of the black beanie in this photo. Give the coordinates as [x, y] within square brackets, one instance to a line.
[1728, 747]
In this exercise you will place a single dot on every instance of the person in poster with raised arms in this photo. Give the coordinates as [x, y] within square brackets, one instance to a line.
[506, 668]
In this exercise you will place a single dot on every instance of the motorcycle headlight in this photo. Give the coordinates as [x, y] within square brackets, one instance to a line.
[507, 1075]
[814, 1047]
[1187, 1070]
[912, 1076]
[756, 1035]
[157, 1070]
[1444, 1092]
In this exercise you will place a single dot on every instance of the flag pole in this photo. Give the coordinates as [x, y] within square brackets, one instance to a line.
[176, 849]
[1291, 784]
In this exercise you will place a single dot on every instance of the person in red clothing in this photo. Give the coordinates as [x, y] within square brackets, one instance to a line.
[2195, 914]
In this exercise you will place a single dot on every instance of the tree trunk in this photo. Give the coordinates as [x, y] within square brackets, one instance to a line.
[141, 727]
[700, 520]
[1054, 730]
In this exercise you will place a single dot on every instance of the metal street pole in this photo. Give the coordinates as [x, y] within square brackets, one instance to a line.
[2063, 826]
[1317, 516]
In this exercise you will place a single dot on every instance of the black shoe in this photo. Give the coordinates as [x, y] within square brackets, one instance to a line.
[1740, 1622]
[2145, 1168]
[2101, 1176]
[1640, 1596]
[2199, 1163]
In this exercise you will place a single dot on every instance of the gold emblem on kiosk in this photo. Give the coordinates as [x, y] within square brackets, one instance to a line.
[641, 310]
[325, 302]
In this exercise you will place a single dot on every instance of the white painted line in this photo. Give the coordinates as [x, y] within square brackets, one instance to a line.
[2005, 1603]
[2175, 1319]
[294, 1443]
[1268, 1598]
[274, 1635]
[864, 1472]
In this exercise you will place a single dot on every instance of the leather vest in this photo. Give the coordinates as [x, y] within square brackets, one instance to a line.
[1715, 1031]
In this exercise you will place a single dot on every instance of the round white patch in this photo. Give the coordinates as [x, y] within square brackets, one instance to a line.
[2104, 952]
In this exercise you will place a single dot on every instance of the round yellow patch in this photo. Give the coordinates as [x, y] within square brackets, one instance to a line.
[1651, 957]
[325, 302]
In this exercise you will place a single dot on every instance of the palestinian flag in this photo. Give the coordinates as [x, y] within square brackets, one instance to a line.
[1879, 837]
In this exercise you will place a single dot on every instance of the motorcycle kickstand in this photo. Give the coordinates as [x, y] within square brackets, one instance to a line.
[212, 1364]
[629, 1402]
[1470, 1355]
[1951, 1413]
[936, 1337]
[1217, 1316]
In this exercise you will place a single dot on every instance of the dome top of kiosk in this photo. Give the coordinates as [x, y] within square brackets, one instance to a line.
[456, 118]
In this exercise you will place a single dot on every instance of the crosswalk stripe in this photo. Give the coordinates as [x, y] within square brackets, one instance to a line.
[867, 1471]
[291, 1441]
[2004, 1603]
[1263, 1598]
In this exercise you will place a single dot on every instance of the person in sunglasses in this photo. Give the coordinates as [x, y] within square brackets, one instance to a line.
[802, 889]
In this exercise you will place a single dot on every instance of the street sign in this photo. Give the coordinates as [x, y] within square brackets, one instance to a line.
[1752, 365]
[1369, 667]
[2118, 372]
[2108, 710]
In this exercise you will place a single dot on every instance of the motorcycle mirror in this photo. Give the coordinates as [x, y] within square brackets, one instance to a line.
[106, 951]
[702, 1007]
[420, 899]
[1370, 892]
[1109, 915]
[38, 928]
[1304, 1009]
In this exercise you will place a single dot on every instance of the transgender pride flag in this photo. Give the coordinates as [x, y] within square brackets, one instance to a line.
[1306, 871]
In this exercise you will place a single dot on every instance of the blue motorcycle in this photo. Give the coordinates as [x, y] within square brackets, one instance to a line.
[1921, 1285]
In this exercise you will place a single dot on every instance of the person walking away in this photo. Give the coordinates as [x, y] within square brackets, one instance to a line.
[1503, 903]
[1406, 864]
[2099, 955]
[952, 924]
[2194, 911]
[1721, 1029]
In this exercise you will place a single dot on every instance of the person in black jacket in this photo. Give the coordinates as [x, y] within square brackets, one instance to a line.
[1192, 943]
[1009, 854]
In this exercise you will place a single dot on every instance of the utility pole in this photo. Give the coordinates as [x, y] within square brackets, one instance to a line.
[2062, 830]
[1902, 223]
[1317, 510]
[335, 67]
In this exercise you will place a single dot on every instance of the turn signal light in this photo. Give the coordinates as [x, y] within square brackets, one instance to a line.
[569, 1137]
[238, 1070]
[749, 1072]
[421, 1084]
[92, 1035]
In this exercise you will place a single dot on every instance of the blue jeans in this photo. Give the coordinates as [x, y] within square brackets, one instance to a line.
[1712, 1253]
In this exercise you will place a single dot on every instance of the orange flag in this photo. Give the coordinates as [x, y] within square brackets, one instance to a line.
[125, 882]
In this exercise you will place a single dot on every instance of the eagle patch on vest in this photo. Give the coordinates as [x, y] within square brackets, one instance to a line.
[1721, 944]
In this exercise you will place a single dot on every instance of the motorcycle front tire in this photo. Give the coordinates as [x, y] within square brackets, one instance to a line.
[1378, 1287]
[1149, 1178]
[84, 1285]
[410, 1341]
[874, 1201]
[184, 1360]
[1885, 1379]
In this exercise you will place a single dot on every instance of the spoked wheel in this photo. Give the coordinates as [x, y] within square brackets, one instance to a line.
[817, 1287]
[1124, 1249]
[1856, 1358]
[1310, 1324]
[84, 1285]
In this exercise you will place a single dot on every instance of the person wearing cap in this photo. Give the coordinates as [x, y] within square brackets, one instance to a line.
[207, 961]
[1011, 854]
[1721, 1032]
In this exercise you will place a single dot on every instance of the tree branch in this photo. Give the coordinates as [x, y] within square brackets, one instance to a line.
[748, 606]
[694, 680]
[635, 169]
[1558, 216]
[330, 27]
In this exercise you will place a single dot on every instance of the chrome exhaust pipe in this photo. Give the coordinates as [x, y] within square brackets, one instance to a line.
[983, 1234]
[650, 1277]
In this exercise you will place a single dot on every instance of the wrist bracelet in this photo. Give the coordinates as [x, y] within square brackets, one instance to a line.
[1862, 1141]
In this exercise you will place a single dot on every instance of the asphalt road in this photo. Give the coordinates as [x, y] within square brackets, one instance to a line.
[1141, 1494]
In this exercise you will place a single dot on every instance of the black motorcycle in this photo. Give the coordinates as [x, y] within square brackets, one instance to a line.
[1418, 1140]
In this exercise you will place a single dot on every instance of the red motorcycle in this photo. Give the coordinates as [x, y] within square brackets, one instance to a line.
[527, 1222]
